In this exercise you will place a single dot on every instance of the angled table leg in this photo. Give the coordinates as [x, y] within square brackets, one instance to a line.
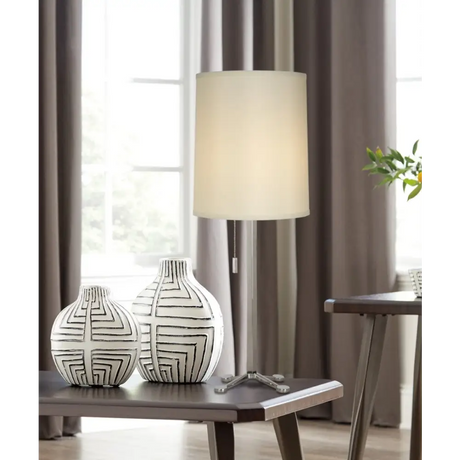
[287, 433]
[416, 428]
[366, 383]
[221, 441]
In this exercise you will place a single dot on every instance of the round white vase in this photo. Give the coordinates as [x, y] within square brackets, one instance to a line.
[181, 325]
[95, 341]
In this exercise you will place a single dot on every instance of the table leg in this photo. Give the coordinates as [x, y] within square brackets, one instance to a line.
[287, 433]
[416, 428]
[366, 383]
[221, 441]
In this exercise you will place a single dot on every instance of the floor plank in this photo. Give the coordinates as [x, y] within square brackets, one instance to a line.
[188, 441]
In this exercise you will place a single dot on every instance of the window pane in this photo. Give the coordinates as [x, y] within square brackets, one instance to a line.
[131, 218]
[93, 81]
[408, 38]
[144, 126]
[408, 214]
[93, 123]
[93, 40]
[409, 111]
[93, 206]
[144, 37]
[146, 214]
[408, 231]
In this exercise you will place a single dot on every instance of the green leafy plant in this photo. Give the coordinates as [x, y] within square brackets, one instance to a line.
[394, 166]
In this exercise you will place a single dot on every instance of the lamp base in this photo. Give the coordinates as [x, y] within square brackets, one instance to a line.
[273, 382]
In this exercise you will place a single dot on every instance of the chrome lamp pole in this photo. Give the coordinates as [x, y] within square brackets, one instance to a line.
[231, 381]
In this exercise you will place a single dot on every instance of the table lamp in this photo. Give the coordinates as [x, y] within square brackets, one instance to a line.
[251, 164]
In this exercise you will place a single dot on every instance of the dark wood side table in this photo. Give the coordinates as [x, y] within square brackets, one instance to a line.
[198, 402]
[376, 309]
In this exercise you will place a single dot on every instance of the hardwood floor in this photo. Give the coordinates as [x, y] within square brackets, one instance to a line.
[253, 441]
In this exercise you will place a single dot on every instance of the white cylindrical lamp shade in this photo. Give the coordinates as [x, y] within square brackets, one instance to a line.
[251, 147]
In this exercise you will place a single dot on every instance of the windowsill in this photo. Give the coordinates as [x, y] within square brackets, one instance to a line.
[123, 288]
[118, 277]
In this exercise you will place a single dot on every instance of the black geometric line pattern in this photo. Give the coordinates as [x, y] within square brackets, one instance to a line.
[95, 341]
[416, 279]
[181, 325]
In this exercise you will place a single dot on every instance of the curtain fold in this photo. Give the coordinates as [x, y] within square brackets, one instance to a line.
[59, 178]
[346, 245]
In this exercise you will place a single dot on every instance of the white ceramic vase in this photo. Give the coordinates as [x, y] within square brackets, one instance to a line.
[95, 341]
[181, 324]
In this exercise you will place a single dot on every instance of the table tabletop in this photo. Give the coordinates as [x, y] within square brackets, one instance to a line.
[138, 398]
[390, 303]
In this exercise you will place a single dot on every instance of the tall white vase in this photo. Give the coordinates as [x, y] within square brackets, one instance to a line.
[181, 325]
[95, 341]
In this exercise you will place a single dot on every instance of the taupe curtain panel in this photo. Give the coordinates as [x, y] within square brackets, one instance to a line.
[59, 178]
[346, 245]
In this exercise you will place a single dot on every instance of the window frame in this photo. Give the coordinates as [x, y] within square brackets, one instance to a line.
[187, 224]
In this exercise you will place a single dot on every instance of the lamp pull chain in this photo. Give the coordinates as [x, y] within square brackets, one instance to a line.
[235, 259]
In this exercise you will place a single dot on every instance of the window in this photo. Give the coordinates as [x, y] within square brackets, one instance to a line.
[136, 86]
[409, 110]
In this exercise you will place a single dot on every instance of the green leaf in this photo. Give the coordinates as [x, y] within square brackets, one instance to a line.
[397, 156]
[411, 182]
[369, 166]
[384, 181]
[379, 153]
[383, 171]
[392, 165]
[370, 154]
[414, 148]
[409, 160]
[404, 186]
[401, 171]
[414, 192]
